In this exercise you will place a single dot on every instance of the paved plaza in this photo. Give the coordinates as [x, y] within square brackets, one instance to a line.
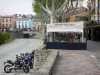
[79, 62]
[75, 62]
[94, 47]
[9, 50]
[70, 62]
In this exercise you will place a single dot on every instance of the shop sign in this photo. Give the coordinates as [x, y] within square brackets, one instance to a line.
[66, 27]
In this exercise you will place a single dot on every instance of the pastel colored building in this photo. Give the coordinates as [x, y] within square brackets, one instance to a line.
[24, 23]
[7, 22]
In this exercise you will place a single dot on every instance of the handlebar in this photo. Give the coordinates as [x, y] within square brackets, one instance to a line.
[22, 57]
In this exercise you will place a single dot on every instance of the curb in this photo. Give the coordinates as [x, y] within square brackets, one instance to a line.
[41, 47]
[49, 64]
[97, 62]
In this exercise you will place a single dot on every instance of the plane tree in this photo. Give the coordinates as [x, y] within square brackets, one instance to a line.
[54, 9]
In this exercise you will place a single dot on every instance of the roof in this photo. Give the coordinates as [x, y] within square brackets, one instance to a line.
[83, 14]
[79, 11]
[22, 18]
[8, 16]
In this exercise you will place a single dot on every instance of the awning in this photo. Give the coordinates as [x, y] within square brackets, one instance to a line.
[66, 27]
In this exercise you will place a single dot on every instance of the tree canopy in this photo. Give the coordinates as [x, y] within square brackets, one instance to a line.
[54, 8]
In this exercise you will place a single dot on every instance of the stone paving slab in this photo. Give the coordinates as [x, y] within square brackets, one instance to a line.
[73, 62]
[9, 50]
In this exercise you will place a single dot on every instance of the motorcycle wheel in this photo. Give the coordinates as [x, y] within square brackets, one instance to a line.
[31, 66]
[6, 69]
[26, 69]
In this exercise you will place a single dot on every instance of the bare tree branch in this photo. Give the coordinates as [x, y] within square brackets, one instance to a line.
[44, 15]
[47, 6]
[71, 5]
[72, 8]
[67, 8]
[75, 5]
[66, 2]
[43, 7]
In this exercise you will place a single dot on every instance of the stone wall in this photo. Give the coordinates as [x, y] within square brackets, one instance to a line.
[39, 57]
[48, 65]
[15, 35]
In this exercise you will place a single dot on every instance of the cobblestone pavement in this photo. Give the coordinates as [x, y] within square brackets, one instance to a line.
[76, 62]
[94, 47]
[9, 50]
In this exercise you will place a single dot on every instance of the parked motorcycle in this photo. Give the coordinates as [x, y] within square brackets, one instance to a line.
[27, 59]
[17, 65]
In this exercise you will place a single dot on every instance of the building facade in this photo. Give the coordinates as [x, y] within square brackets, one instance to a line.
[0, 21]
[81, 14]
[24, 23]
[98, 8]
[94, 27]
[7, 22]
[94, 10]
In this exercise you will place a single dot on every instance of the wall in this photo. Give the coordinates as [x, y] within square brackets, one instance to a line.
[26, 24]
[39, 57]
[99, 10]
[73, 17]
[95, 5]
[96, 10]
[0, 21]
[10, 21]
[31, 24]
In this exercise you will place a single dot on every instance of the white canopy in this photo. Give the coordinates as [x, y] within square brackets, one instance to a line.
[66, 27]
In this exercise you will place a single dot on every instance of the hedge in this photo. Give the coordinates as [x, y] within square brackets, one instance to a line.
[4, 36]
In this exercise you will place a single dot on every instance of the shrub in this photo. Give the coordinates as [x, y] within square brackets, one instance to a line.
[4, 36]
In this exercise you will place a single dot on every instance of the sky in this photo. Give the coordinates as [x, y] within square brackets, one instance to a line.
[8, 7]
[85, 3]
[16, 7]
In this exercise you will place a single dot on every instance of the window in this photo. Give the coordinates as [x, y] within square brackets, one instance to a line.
[2, 19]
[68, 20]
[85, 18]
[19, 26]
[22, 23]
[6, 19]
[86, 10]
[10, 25]
[10, 19]
[6, 25]
[25, 24]
[19, 23]
[78, 18]
[22, 26]
[2, 25]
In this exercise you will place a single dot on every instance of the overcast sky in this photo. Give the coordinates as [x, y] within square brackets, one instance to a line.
[16, 7]
[85, 3]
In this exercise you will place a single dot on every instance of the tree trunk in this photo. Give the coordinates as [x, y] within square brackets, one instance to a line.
[52, 19]
[51, 23]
